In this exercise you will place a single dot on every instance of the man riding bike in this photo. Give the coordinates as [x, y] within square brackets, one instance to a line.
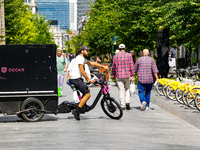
[76, 77]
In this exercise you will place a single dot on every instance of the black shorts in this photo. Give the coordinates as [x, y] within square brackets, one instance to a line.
[79, 85]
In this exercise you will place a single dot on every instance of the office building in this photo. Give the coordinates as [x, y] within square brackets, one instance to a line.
[32, 5]
[56, 11]
[83, 7]
[60, 36]
[73, 15]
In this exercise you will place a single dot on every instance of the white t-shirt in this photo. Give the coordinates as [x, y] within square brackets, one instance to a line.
[75, 72]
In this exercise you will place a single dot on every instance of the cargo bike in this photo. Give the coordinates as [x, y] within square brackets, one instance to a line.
[28, 84]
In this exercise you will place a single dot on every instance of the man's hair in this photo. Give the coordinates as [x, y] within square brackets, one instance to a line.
[122, 49]
[78, 51]
[95, 57]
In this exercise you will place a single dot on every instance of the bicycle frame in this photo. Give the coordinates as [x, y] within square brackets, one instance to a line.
[103, 91]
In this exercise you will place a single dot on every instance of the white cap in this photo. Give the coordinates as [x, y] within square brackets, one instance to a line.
[122, 46]
[59, 49]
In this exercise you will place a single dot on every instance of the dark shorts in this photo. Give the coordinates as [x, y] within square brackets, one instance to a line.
[79, 85]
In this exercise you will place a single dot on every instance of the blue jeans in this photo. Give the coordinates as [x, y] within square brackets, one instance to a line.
[144, 92]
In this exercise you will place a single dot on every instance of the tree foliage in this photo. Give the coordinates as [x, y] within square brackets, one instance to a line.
[135, 23]
[22, 27]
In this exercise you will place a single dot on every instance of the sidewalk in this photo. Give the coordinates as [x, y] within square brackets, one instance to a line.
[155, 129]
[152, 129]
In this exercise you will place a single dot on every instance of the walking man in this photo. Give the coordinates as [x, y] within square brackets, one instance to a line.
[123, 70]
[146, 68]
[61, 68]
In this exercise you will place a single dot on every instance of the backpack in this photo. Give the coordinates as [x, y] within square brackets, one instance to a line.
[71, 56]
[64, 58]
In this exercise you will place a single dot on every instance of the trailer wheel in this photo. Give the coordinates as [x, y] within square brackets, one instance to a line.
[33, 108]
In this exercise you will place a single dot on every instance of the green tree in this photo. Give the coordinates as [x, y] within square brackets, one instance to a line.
[135, 23]
[24, 28]
[43, 36]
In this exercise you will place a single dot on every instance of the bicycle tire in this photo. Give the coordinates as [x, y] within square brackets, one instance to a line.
[197, 102]
[164, 90]
[159, 89]
[110, 107]
[184, 98]
[170, 92]
[190, 100]
[178, 95]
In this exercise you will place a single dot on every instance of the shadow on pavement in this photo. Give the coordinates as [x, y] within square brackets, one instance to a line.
[13, 118]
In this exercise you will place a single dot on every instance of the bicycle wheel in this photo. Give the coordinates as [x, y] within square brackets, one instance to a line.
[190, 99]
[178, 95]
[164, 90]
[111, 108]
[170, 92]
[159, 88]
[184, 98]
[197, 102]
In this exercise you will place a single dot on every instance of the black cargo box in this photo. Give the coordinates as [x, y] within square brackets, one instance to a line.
[27, 71]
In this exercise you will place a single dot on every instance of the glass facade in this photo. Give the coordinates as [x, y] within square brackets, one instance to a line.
[83, 6]
[56, 11]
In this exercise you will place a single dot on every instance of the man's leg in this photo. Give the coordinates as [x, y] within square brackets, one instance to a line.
[76, 112]
[127, 92]
[141, 93]
[82, 87]
[148, 93]
[60, 82]
[84, 99]
[120, 83]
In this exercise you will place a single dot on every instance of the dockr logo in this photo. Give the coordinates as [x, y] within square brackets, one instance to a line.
[5, 69]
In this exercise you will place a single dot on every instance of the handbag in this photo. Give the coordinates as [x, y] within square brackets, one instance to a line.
[132, 88]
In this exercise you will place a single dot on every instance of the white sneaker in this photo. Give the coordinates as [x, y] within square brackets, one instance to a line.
[147, 108]
[143, 106]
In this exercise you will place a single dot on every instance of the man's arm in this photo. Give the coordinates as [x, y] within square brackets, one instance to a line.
[66, 67]
[96, 64]
[155, 74]
[81, 67]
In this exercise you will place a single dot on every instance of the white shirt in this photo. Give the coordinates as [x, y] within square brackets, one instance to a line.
[75, 72]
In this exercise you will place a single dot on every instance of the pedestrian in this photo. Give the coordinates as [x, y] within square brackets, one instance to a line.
[67, 57]
[123, 70]
[117, 51]
[76, 74]
[95, 71]
[71, 56]
[146, 68]
[133, 56]
[61, 68]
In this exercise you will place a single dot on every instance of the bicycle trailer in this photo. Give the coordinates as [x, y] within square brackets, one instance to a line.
[28, 80]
